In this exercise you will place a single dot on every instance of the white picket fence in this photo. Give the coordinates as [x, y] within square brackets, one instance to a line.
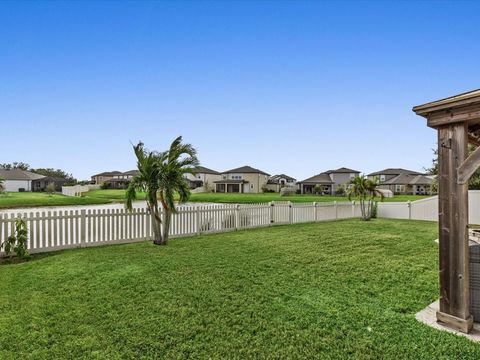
[54, 230]
[427, 209]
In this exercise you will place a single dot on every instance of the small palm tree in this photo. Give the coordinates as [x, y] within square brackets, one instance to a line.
[161, 176]
[365, 190]
[2, 186]
[180, 159]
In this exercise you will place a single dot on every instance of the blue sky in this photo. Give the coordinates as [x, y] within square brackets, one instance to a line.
[287, 87]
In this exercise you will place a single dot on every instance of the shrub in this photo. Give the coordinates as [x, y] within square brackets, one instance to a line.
[105, 185]
[340, 190]
[318, 189]
[21, 190]
[17, 242]
[50, 189]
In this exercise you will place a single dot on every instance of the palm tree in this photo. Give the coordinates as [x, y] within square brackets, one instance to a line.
[2, 186]
[161, 176]
[365, 190]
[179, 160]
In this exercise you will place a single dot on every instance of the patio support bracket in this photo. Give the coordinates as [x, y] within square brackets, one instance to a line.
[468, 167]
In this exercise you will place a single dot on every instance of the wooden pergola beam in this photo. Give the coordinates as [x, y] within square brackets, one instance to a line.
[456, 119]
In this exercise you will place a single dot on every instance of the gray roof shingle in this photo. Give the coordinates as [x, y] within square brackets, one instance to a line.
[394, 171]
[322, 178]
[18, 174]
[245, 170]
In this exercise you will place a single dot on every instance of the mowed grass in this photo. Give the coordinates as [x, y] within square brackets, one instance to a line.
[32, 199]
[267, 197]
[333, 290]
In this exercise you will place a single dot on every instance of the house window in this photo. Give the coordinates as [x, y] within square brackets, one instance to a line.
[382, 177]
[224, 177]
[236, 177]
[352, 176]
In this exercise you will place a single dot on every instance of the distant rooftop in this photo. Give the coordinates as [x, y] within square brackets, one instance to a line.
[342, 170]
[245, 170]
[322, 178]
[394, 171]
[18, 174]
[109, 173]
[204, 170]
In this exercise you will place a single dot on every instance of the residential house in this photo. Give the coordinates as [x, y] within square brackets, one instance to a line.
[40, 184]
[329, 181]
[341, 177]
[403, 181]
[203, 177]
[121, 181]
[115, 179]
[322, 181]
[21, 180]
[99, 179]
[277, 182]
[244, 179]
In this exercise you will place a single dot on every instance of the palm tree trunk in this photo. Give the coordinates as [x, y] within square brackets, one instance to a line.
[156, 225]
[166, 226]
[369, 210]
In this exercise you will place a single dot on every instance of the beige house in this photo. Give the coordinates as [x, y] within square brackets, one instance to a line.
[277, 182]
[99, 179]
[116, 179]
[244, 179]
[203, 178]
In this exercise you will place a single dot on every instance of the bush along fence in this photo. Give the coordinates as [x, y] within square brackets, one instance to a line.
[55, 230]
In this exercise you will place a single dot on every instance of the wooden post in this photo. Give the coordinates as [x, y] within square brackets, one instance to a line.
[453, 229]
[409, 205]
[315, 211]
[336, 209]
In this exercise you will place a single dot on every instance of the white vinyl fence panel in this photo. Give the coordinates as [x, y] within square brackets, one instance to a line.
[427, 209]
[61, 229]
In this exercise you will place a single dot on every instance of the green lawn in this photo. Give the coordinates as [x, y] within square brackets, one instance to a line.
[332, 290]
[260, 198]
[30, 199]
